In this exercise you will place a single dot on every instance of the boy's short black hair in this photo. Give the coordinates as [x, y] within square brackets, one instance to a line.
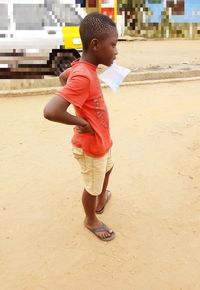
[95, 25]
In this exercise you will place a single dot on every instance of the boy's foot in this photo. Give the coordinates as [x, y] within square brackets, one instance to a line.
[102, 231]
[102, 203]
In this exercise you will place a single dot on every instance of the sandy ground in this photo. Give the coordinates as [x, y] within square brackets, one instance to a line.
[154, 208]
[142, 54]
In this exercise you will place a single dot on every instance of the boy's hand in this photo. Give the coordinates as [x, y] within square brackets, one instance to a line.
[85, 128]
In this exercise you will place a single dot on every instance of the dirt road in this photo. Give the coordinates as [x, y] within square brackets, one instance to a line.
[154, 208]
[144, 54]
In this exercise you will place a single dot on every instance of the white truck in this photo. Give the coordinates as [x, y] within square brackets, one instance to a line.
[38, 36]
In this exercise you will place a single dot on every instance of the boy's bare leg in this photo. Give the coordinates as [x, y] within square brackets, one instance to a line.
[91, 221]
[101, 199]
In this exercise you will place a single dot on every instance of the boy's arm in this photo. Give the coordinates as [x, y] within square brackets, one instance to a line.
[63, 78]
[56, 110]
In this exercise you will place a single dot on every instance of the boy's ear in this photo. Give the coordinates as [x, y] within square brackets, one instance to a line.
[94, 44]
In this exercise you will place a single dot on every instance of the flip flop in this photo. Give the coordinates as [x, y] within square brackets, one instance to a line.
[101, 229]
[107, 200]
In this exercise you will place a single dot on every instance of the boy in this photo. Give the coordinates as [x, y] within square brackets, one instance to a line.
[91, 141]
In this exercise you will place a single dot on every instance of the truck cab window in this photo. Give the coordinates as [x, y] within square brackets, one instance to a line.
[4, 21]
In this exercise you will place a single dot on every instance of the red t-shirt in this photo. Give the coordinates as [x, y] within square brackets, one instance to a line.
[83, 91]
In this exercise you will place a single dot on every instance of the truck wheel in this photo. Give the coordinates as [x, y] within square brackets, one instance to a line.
[61, 64]
[61, 60]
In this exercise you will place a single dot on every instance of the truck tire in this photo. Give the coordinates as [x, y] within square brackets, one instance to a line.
[61, 59]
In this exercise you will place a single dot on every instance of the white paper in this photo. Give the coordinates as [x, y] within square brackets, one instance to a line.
[114, 76]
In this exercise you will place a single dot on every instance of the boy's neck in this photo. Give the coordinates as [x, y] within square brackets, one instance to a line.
[89, 58]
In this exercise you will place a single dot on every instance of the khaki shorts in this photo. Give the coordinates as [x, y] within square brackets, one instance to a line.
[93, 169]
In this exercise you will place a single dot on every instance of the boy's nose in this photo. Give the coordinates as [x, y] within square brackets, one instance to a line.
[116, 51]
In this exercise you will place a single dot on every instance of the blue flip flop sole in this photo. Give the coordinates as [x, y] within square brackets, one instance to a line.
[101, 229]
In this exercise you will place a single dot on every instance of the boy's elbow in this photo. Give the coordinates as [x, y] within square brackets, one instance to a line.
[48, 114]
[55, 109]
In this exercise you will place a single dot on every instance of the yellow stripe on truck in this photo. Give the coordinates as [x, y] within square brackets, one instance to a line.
[71, 37]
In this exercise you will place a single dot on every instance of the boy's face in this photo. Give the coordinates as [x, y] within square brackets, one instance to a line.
[105, 49]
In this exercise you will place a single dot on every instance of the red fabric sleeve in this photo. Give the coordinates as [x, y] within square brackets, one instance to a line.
[76, 90]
